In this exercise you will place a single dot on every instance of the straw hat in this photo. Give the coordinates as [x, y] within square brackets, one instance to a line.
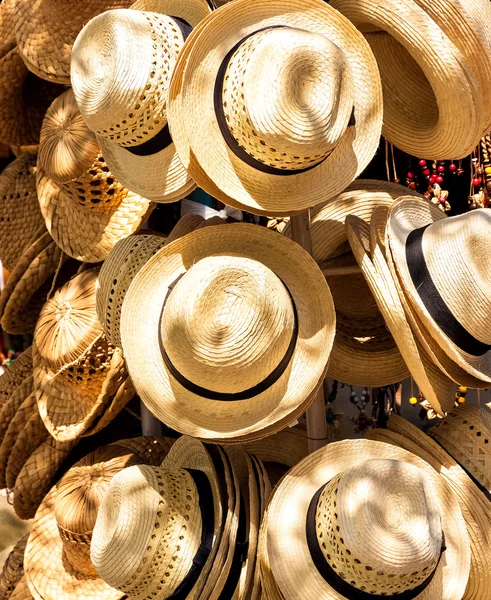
[21, 591]
[202, 359]
[443, 106]
[57, 560]
[286, 447]
[438, 389]
[77, 372]
[363, 516]
[14, 374]
[155, 520]
[21, 217]
[304, 142]
[10, 408]
[86, 209]
[13, 569]
[121, 68]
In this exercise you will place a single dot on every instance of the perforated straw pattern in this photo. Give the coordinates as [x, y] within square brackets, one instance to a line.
[13, 569]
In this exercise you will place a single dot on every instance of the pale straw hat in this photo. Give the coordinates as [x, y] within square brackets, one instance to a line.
[443, 274]
[361, 516]
[158, 528]
[240, 344]
[287, 447]
[438, 389]
[85, 208]
[14, 374]
[435, 65]
[309, 135]
[121, 68]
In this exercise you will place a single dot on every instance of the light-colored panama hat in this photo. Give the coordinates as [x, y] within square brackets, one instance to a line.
[57, 560]
[364, 352]
[122, 64]
[443, 107]
[13, 569]
[158, 528]
[14, 374]
[438, 389]
[77, 372]
[312, 132]
[239, 345]
[86, 209]
[19, 206]
[473, 503]
[360, 518]
[443, 274]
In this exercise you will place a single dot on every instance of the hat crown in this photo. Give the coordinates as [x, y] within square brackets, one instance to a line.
[378, 525]
[228, 323]
[121, 66]
[148, 531]
[288, 97]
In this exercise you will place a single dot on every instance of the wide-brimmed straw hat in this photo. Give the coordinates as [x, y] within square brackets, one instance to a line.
[155, 523]
[122, 64]
[10, 408]
[361, 517]
[438, 389]
[440, 266]
[77, 372]
[14, 374]
[444, 106]
[238, 327]
[287, 447]
[13, 569]
[86, 209]
[312, 132]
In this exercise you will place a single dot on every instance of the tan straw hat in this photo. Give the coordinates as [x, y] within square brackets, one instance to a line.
[438, 389]
[442, 269]
[21, 591]
[77, 372]
[240, 343]
[311, 133]
[11, 407]
[360, 518]
[86, 209]
[13, 569]
[14, 374]
[437, 98]
[121, 68]
[287, 447]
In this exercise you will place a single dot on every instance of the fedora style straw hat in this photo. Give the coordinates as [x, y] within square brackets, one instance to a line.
[122, 93]
[438, 389]
[238, 327]
[21, 217]
[441, 269]
[57, 559]
[14, 374]
[360, 518]
[312, 132]
[158, 528]
[436, 78]
[77, 372]
[86, 209]
[13, 569]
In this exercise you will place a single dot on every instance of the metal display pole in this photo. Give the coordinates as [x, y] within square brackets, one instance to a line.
[316, 414]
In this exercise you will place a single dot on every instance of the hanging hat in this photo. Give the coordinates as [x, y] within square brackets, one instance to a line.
[14, 374]
[233, 315]
[121, 68]
[437, 99]
[9, 410]
[442, 269]
[77, 372]
[86, 209]
[158, 528]
[438, 389]
[286, 447]
[21, 217]
[13, 569]
[311, 133]
[21, 591]
[57, 560]
[363, 518]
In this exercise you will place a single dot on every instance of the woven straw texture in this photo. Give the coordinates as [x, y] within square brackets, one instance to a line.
[21, 591]
[151, 450]
[191, 11]
[13, 569]
[15, 401]
[20, 212]
[254, 262]
[123, 395]
[14, 374]
[287, 447]
[398, 477]
[340, 53]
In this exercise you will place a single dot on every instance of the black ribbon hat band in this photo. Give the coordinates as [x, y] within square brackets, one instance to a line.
[432, 299]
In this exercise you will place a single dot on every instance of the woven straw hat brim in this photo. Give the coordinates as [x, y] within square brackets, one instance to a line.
[291, 563]
[21, 591]
[12, 406]
[210, 419]
[192, 117]
[189, 453]
[13, 569]
[404, 217]
[124, 394]
[426, 63]
[438, 389]
[14, 374]
[69, 410]
[474, 505]
[85, 234]
[49, 575]
[287, 447]
[191, 11]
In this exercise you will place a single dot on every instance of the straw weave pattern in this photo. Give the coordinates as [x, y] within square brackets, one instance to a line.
[14, 374]
[13, 569]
